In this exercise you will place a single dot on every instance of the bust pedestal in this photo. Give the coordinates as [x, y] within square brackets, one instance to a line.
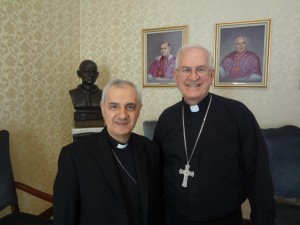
[86, 122]
[79, 133]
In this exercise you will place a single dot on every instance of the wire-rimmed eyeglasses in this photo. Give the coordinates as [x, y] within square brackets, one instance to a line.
[187, 71]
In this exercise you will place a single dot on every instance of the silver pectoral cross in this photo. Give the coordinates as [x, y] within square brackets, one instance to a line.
[186, 173]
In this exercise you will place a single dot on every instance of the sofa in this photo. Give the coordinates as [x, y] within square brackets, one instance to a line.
[284, 155]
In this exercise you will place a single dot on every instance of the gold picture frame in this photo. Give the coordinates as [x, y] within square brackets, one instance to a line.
[155, 44]
[242, 53]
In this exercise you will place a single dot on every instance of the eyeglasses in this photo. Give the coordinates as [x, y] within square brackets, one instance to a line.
[187, 71]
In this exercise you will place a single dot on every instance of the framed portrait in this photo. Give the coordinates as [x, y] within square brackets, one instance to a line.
[242, 53]
[160, 46]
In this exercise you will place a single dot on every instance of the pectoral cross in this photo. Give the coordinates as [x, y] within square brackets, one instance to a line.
[186, 173]
[236, 69]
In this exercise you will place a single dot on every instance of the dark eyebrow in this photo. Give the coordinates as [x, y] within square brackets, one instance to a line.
[130, 104]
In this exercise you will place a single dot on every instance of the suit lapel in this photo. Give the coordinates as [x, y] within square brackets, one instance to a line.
[142, 175]
[107, 163]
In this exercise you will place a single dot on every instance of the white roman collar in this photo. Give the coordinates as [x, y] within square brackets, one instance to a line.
[194, 108]
[121, 146]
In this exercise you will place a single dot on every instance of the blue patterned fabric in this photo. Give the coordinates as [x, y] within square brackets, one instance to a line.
[284, 153]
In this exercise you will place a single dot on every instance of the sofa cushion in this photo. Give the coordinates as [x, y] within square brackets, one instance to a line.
[287, 214]
[284, 153]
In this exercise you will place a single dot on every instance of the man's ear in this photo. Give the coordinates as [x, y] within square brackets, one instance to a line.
[213, 73]
[101, 106]
[174, 75]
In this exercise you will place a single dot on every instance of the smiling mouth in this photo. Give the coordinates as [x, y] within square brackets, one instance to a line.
[193, 85]
[121, 123]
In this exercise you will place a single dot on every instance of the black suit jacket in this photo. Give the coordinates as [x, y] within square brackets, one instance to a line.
[87, 188]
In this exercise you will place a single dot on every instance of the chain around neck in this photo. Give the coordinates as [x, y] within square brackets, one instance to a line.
[123, 167]
[184, 136]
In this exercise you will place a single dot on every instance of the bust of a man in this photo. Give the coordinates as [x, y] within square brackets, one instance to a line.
[87, 96]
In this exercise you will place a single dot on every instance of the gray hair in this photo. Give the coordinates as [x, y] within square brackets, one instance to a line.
[193, 46]
[121, 83]
[241, 37]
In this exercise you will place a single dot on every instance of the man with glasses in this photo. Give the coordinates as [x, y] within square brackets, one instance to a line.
[215, 156]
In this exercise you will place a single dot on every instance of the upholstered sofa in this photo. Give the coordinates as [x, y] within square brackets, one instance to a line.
[284, 154]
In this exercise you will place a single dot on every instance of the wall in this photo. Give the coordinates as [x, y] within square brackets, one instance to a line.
[38, 61]
[43, 42]
[111, 34]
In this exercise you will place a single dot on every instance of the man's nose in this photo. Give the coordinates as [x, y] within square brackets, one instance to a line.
[194, 75]
[123, 112]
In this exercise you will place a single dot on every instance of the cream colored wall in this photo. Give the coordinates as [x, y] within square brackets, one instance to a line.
[38, 61]
[111, 34]
[43, 42]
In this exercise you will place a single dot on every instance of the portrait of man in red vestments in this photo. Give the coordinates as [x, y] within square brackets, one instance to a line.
[163, 66]
[241, 64]
[242, 53]
[160, 46]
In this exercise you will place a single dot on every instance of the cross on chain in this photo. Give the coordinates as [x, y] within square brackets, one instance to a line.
[237, 68]
[186, 173]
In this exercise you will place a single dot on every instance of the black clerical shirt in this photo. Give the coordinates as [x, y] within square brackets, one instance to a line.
[129, 188]
[230, 162]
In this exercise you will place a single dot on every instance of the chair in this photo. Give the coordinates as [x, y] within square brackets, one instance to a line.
[8, 195]
[284, 154]
[148, 127]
